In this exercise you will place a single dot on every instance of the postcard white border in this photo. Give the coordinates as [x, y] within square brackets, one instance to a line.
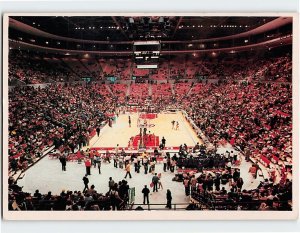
[156, 215]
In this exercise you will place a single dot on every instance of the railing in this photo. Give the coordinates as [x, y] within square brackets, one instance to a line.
[175, 206]
[219, 202]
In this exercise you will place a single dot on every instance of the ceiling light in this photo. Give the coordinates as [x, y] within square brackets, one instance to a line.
[58, 42]
[47, 42]
[33, 23]
[246, 41]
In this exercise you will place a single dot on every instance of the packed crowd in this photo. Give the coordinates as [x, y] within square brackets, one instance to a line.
[33, 69]
[257, 118]
[87, 200]
[70, 113]
[60, 116]
[267, 196]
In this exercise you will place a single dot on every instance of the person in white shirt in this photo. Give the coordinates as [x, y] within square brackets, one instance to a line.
[121, 162]
[135, 162]
[127, 158]
[117, 149]
[165, 163]
[145, 163]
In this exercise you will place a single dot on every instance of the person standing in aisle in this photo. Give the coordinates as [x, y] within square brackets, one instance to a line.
[145, 163]
[165, 163]
[169, 199]
[163, 142]
[115, 158]
[127, 169]
[85, 182]
[186, 184]
[88, 166]
[155, 180]
[98, 131]
[173, 164]
[121, 158]
[111, 184]
[159, 182]
[99, 164]
[146, 192]
[63, 161]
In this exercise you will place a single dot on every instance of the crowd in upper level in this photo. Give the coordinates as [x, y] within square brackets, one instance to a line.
[33, 69]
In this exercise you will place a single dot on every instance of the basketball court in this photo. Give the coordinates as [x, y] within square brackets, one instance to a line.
[159, 125]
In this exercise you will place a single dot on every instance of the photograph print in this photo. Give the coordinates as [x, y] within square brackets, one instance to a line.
[142, 115]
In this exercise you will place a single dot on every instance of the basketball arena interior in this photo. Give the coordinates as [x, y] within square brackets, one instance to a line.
[174, 113]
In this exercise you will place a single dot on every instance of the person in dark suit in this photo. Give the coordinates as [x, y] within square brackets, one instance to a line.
[85, 182]
[169, 199]
[163, 142]
[63, 161]
[98, 131]
[146, 192]
[155, 180]
[217, 182]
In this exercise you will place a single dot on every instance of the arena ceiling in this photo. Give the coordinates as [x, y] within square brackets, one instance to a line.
[115, 35]
[116, 28]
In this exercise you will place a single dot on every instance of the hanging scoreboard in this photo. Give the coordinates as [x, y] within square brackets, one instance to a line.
[146, 54]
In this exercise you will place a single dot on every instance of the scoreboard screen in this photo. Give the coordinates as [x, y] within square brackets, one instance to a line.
[146, 54]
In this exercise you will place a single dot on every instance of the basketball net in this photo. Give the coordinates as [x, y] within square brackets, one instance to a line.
[141, 122]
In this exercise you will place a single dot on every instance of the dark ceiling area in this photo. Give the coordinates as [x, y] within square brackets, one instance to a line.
[117, 28]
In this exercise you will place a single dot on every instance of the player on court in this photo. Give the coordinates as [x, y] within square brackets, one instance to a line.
[129, 121]
[173, 124]
[177, 125]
